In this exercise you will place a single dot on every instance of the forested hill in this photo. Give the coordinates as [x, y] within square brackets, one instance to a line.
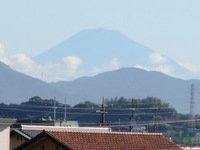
[126, 82]
[149, 114]
[133, 82]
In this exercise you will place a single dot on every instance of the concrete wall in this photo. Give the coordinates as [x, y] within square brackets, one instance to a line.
[5, 139]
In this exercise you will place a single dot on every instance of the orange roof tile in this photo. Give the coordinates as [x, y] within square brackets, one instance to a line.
[113, 141]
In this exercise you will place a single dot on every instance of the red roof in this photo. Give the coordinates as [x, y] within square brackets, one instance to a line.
[113, 140]
[104, 141]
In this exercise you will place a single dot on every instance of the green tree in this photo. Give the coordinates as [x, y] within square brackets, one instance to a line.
[86, 104]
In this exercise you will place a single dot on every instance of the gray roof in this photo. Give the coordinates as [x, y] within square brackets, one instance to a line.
[6, 122]
[28, 134]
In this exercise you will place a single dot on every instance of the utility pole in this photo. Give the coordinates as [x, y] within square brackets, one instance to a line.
[132, 118]
[103, 113]
[119, 125]
[54, 118]
[54, 113]
[192, 104]
[65, 115]
[154, 118]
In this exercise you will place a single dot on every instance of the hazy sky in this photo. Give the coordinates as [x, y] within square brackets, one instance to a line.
[170, 27]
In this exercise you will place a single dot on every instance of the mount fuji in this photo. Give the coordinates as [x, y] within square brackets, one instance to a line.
[94, 51]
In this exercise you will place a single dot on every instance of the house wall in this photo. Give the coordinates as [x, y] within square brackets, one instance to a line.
[45, 144]
[5, 139]
[16, 140]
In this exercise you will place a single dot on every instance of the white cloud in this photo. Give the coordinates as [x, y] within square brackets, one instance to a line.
[1, 49]
[50, 72]
[4, 60]
[191, 67]
[113, 65]
[157, 58]
[2, 57]
[66, 70]
[141, 67]
[161, 68]
[72, 63]
[165, 69]
[23, 63]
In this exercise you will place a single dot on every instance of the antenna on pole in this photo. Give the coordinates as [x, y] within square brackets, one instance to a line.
[103, 116]
[132, 122]
[103, 113]
[54, 118]
[154, 119]
[192, 106]
[65, 116]
[42, 76]
[54, 114]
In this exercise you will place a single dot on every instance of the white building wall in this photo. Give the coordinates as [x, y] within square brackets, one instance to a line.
[5, 139]
[84, 129]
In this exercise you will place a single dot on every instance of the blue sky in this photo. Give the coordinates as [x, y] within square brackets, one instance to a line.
[170, 27]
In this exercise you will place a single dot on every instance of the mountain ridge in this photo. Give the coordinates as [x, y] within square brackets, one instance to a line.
[92, 40]
[100, 50]
[129, 82]
[17, 87]
[119, 78]
[133, 83]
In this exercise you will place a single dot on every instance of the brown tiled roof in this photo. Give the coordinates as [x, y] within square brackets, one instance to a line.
[113, 141]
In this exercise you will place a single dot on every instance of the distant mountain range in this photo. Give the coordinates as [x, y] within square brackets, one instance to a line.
[127, 82]
[17, 87]
[101, 50]
[101, 54]
[134, 83]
